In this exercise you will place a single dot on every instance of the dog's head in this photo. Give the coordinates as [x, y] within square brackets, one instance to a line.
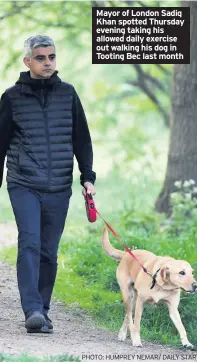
[178, 274]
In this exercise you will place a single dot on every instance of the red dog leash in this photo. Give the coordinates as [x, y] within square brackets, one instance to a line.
[91, 215]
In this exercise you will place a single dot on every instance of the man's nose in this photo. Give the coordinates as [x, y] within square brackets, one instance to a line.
[47, 61]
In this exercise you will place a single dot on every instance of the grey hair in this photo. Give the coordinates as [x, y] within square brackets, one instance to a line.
[35, 42]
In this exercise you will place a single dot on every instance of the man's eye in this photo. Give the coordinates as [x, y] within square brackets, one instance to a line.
[52, 57]
[39, 58]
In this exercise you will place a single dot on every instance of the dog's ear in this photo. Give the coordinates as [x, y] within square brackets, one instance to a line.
[165, 273]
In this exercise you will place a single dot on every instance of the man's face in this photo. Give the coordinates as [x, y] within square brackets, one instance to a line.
[42, 63]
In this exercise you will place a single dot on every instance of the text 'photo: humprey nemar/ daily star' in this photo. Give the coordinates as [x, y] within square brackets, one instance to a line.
[140, 35]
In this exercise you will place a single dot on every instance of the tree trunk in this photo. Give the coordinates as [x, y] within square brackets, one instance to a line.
[182, 155]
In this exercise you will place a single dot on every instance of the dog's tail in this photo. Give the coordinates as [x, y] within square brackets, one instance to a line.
[110, 251]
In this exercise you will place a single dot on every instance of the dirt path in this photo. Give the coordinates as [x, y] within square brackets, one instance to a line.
[74, 331]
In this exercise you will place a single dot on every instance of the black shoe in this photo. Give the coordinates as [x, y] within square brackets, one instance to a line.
[48, 321]
[35, 320]
[44, 329]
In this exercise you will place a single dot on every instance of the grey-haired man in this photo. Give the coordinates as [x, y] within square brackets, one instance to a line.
[42, 126]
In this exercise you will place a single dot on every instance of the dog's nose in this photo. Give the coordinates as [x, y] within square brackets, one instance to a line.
[194, 285]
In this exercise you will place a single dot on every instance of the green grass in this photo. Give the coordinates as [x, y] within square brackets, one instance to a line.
[86, 276]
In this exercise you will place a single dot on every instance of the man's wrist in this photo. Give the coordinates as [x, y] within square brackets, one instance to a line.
[89, 182]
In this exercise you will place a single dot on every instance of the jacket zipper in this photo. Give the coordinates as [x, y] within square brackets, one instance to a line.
[44, 107]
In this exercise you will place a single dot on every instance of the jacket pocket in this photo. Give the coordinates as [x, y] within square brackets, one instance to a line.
[27, 164]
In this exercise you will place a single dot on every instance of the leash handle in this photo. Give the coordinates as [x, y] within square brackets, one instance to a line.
[90, 207]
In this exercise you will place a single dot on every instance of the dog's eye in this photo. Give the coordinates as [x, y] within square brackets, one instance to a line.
[182, 272]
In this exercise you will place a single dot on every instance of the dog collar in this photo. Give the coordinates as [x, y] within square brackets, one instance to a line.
[154, 279]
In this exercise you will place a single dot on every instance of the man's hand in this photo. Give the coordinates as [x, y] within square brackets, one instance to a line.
[88, 188]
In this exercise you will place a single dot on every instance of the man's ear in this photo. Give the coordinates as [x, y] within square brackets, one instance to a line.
[26, 61]
[165, 273]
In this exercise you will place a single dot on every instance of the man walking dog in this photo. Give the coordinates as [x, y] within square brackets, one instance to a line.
[42, 126]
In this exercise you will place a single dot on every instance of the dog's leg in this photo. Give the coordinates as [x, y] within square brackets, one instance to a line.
[122, 335]
[175, 316]
[123, 330]
[135, 330]
[128, 295]
[134, 300]
[131, 311]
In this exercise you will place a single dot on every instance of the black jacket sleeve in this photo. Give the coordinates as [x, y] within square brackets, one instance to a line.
[5, 130]
[82, 144]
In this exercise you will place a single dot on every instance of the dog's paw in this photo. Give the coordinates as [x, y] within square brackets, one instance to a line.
[122, 335]
[137, 342]
[189, 346]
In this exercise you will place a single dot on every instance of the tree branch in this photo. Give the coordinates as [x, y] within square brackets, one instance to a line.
[141, 83]
[164, 70]
[16, 9]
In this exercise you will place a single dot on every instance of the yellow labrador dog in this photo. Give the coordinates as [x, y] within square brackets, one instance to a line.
[171, 276]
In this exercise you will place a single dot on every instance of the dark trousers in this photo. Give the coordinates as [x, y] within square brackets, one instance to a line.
[40, 219]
